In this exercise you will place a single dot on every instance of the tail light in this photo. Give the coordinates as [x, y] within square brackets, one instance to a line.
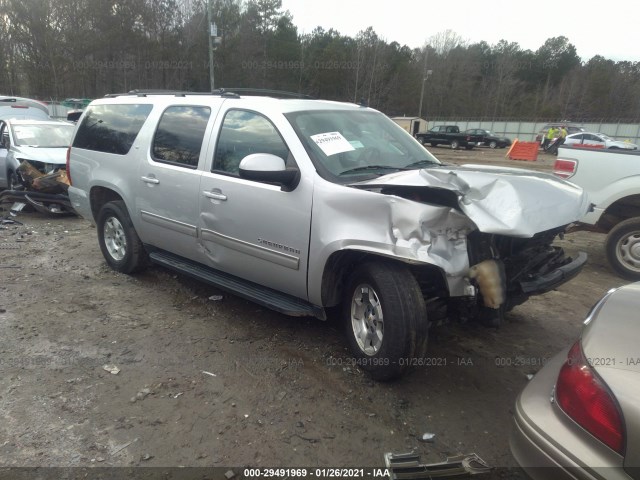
[68, 166]
[584, 397]
[565, 168]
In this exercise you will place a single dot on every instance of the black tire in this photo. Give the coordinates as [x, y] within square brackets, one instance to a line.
[493, 144]
[119, 242]
[434, 144]
[623, 248]
[12, 181]
[396, 299]
[455, 144]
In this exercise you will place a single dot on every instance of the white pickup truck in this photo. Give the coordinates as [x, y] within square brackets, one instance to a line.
[612, 180]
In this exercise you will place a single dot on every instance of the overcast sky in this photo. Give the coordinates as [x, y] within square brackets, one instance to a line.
[610, 29]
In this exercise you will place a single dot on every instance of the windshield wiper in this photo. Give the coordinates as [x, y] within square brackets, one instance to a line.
[420, 163]
[372, 167]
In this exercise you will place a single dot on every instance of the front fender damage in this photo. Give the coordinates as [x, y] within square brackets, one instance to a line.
[431, 234]
[390, 226]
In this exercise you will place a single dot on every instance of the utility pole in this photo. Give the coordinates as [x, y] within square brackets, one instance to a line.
[425, 75]
[424, 80]
[211, 33]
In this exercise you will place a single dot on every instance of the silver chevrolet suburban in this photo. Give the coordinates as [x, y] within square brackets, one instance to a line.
[305, 205]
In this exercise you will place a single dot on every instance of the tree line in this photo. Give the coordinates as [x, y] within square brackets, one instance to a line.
[53, 49]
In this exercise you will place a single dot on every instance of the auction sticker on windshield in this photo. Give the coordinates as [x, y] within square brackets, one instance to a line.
[332, 142]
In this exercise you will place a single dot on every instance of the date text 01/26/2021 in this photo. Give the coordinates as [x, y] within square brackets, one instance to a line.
[410, 362]
[316, 472]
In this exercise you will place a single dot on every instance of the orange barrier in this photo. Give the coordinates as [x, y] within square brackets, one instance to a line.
[527, 151]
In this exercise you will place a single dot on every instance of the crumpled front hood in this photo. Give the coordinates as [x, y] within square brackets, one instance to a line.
[506, 201]
[57, 155]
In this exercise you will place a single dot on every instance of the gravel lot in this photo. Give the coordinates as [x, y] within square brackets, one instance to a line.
[205, 381]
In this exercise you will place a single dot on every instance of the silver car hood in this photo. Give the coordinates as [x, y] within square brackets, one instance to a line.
[506, 201]
[56, 155]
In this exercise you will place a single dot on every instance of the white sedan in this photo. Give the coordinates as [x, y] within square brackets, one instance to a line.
[599, 140]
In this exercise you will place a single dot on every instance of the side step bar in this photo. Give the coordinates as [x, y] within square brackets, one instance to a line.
[278, 301]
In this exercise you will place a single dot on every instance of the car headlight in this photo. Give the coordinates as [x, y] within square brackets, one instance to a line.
[42, 167]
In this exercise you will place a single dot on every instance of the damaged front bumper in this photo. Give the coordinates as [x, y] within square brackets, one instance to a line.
[408, 466]
[56, 203]
[44, 192]
[557, 277]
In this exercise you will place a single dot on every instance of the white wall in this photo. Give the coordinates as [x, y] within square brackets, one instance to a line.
[527, 131]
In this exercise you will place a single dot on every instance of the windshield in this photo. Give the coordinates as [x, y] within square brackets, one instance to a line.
[350, 143]
[45, 135]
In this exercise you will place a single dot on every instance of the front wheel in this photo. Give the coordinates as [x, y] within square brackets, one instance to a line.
[493, 144]
[623, 248]
[434, 144]
[385, 319]
[455, 144]
[12, 181]
[119, 242]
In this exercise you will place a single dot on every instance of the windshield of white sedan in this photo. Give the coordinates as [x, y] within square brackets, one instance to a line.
[43, 135]
[350, 142]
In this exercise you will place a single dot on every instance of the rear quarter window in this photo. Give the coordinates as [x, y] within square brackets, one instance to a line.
[111, 128]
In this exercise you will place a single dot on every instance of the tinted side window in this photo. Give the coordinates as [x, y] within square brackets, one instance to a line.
[179, 136]
[111, 128]
[242, 134]
[4, 135]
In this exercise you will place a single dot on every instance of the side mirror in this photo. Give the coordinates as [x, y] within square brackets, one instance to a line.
[74, 115]
[267, 168]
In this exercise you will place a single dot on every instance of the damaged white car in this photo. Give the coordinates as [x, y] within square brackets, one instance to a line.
[305, 205]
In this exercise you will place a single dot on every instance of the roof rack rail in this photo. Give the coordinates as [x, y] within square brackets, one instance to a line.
[223, 92]
[145, 92]
[267, 92]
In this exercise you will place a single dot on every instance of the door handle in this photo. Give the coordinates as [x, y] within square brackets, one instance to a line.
[153, 180]
[215, 195]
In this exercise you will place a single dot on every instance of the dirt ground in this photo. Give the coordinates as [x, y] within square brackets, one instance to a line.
[205, 381]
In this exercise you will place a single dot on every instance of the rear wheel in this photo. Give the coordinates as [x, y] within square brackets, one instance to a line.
[434, 144]
[455, 144]
[119, 242]
[493, 144]
[385, 319]
[623, 248]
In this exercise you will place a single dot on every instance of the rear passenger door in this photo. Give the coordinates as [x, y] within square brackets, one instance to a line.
[253, 230]
[167, 199]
